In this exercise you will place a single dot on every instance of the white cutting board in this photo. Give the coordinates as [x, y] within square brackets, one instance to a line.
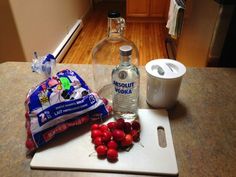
[71, 151]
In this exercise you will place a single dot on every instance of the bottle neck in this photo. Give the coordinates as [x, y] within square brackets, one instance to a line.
[115, 27]
[125, 60]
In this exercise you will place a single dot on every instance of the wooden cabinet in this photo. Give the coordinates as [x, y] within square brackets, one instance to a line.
[146, 10]
[157, 8]
[137, 8]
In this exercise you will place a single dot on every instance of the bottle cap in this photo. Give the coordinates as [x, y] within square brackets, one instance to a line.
[125, 50]
[113, 14]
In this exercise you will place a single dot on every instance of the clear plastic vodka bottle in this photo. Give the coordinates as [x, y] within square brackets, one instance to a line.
[125, 79]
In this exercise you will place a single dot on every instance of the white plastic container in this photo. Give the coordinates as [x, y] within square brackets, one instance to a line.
[163, 82]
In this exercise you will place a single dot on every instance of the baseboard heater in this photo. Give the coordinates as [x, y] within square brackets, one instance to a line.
[63, 47]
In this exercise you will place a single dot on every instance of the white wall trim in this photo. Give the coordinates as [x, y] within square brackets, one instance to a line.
[61, 50]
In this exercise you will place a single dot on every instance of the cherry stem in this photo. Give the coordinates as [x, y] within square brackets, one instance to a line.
[91, 154]
[129, 147]
[141, 144]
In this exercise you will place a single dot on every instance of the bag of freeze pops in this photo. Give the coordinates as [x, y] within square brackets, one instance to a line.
[58, 103]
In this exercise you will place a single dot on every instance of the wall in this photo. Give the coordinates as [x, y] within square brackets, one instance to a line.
[197, 32]
[219, 35]
[42, 25]
[10, 44]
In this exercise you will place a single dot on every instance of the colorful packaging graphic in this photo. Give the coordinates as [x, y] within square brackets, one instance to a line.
[58, 103]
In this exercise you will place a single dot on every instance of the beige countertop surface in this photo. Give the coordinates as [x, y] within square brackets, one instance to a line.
[203, 123]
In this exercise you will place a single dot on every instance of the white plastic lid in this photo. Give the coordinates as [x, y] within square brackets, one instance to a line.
[165, 68]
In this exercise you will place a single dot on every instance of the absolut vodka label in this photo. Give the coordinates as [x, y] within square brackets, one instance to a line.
[123, 88]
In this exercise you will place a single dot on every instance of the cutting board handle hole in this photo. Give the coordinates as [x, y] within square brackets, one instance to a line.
[161, 136]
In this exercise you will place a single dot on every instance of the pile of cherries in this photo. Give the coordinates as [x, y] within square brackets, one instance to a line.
[113, 137]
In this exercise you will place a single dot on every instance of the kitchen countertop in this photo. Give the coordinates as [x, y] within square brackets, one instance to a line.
[203, 122]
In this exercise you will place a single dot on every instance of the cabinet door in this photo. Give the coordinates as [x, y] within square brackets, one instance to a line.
[158, 8]
[137, 8]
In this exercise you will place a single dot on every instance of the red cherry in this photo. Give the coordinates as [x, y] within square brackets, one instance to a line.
[112, 145]
[112, 154]
[105, 101]
[118, 135]
[106, 136]
[96, 133]
[120, 123]
[127, 141]
[136, 135]
[27, 116]
[30, 144]
[120, 120]
[128, 127]
[29, 134]
[101, 150]
[104, 128]
[136, 125]
[95, 126]
[98, 141]
[112, 125]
